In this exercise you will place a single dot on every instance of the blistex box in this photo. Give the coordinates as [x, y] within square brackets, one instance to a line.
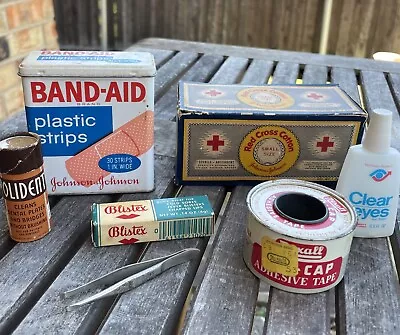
[94, 113]
[151, 220]
[233, 134]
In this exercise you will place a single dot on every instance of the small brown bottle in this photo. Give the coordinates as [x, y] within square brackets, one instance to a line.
[24, 187]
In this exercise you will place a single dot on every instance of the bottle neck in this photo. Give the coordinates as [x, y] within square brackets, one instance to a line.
[378, 135]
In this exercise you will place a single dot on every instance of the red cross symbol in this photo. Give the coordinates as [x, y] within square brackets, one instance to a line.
[213, 93]
[215, 143]
[314, 96]
[325, 144]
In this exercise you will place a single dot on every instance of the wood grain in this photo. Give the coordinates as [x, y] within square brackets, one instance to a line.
[205, 67]
[157, 304]
[314, 74]
[394, 84]
[297, 319]
[69, 232]
[356, 27]
[220, 292]
[375, 31]
[227, 286]
[258, 72]
[352, 63]
[96, 262]
[360, 311]
[347, 80]
[285, 73]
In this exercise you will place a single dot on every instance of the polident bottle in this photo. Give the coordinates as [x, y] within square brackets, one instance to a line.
[370, 178]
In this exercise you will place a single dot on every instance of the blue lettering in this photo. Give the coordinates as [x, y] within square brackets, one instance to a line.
[363, 202]
[352, 198]
[384, 213]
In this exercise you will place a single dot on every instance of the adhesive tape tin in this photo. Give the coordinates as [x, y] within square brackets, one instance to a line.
[299, 235]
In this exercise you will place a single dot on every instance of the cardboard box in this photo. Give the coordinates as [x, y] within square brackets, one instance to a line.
[235, 134]
[94, 112]
[151, 220]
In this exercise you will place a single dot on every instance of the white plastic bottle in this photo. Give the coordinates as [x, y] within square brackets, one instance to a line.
[370, 178]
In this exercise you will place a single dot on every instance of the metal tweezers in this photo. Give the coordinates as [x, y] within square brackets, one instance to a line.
[130, 276]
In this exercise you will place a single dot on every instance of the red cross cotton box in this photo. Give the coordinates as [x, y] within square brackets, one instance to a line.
[241, 134]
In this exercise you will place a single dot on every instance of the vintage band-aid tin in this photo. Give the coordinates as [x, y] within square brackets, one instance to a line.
[23, 187]
[94, 112]
[231, 134]
[315, 221]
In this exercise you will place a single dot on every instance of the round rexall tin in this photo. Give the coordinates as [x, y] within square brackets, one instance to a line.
[298, 235]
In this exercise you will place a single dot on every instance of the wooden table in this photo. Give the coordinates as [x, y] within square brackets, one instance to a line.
[216, 293]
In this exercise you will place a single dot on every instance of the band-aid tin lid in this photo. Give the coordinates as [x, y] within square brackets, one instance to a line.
[98, 64]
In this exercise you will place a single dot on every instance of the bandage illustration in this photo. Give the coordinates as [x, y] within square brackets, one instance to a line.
[135, 138]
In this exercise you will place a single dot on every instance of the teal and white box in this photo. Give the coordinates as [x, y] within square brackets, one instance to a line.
[151, 220]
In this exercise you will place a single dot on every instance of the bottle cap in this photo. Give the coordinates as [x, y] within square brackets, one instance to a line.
[20, 153]
[378, 135]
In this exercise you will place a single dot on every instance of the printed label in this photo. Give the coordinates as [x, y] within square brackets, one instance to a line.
[119, 163]
[65, 131]
[269, 151]
[207, 145]
[97, 133]
[152, 220]
[265, 98]
[380, 175]
[370, 207]
[315, 165]
[279, 257]
[27, 208]
[311, 275]
[307, 251]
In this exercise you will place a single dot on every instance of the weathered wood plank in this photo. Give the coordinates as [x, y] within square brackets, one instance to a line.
[394, 83]
[230, 71]
[17, 123]
[376, 18]
[22, 289]
[22, 282]
[163, 130]
[192, 23]
[172, 70]
[258, 72]
[369, 269]
[165, 315]
[297, 25]
[303, 314]
[215, 20]
[96, 262]
[297, 318]
[128, 33]
[285, 73]
[228, 287]
[156, 305]
[204, 68]
[347, 80]
[315, 74]
[231, 14]
[352, 38]
[353, 63]
[160, 56]
[5, 241]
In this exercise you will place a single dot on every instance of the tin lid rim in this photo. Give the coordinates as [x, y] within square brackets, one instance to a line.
[31, 67]
[292, 182]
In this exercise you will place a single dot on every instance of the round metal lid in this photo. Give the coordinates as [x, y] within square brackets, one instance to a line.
[302, 210]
